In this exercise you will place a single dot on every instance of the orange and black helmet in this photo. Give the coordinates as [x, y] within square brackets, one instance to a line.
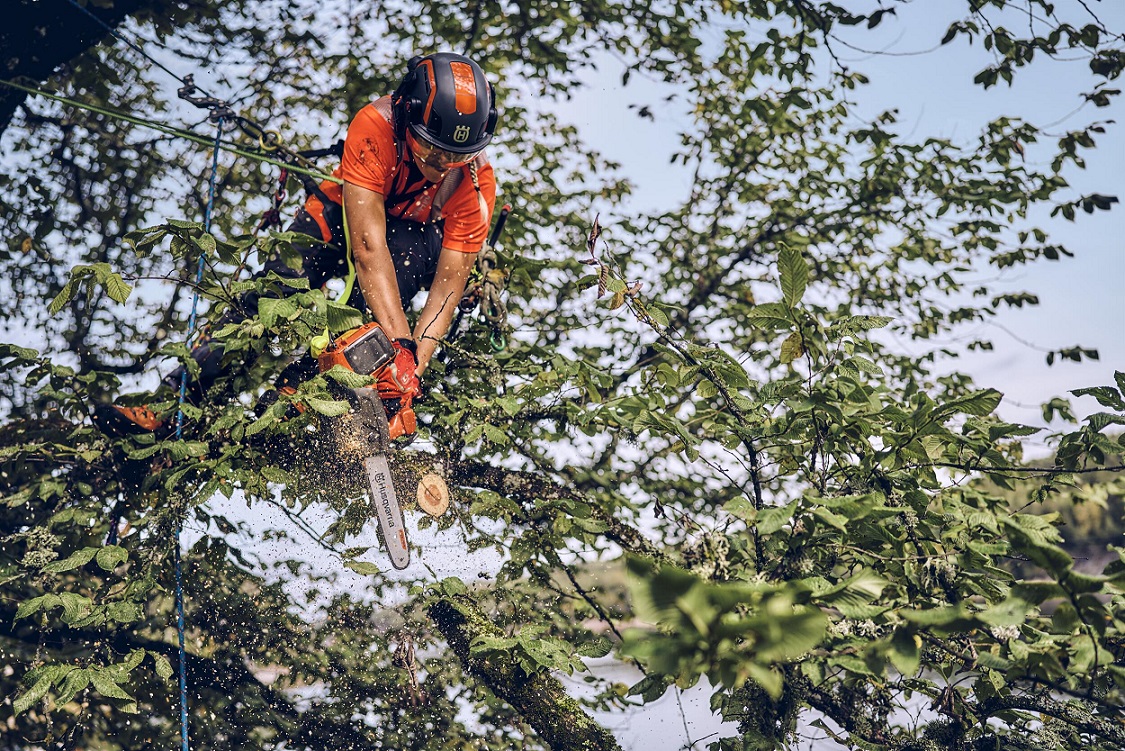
[445, 101]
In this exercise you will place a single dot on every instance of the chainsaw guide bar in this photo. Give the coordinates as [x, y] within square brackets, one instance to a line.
[370, 418]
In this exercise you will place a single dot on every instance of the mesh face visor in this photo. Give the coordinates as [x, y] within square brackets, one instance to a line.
[436, 157]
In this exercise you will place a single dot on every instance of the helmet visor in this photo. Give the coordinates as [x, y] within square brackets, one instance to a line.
[436, 157]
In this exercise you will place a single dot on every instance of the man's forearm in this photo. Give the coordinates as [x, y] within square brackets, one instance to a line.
[441, 303]
[374, 269]
[376, 277]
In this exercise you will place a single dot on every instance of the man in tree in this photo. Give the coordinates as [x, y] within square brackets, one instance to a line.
[418, 192]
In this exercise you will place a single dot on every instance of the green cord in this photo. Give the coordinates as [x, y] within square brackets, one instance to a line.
[320, 342]
[349, 282]
[170, 130]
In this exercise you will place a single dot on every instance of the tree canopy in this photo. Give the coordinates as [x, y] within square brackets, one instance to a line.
[811, 519]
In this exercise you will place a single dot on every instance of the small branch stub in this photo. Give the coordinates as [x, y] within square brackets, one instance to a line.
[433, 494]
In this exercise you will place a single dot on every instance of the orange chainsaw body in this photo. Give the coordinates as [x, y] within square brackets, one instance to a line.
[365, 350]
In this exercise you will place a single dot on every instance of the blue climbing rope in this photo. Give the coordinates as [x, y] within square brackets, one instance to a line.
[180, 435]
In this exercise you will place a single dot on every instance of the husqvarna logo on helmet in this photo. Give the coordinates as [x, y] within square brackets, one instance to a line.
[461, 133]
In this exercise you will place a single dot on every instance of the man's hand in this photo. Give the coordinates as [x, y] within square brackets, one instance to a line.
[398, 379]
[398, 386]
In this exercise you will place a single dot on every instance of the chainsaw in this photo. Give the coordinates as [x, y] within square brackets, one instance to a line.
[370, 430]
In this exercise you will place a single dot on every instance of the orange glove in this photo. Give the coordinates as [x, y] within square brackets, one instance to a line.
[398, 385]
[397, 379]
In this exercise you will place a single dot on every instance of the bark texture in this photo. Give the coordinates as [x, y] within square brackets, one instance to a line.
[557, 718]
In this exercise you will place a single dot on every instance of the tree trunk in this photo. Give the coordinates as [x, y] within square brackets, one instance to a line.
[557, 718]
[38, 36]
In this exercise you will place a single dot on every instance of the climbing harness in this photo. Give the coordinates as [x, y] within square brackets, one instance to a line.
[272, 215]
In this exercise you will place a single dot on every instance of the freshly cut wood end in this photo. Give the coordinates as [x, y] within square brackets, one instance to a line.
[433, 494]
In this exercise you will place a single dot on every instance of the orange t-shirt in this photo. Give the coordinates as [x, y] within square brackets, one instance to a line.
[371, 161]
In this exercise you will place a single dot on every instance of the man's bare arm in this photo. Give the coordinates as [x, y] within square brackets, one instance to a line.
[449, 284]
[375, 272]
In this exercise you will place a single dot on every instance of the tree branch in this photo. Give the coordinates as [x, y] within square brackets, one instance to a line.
[540, 698]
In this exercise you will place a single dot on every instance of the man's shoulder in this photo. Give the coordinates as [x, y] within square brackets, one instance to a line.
[377, 114]
[370, 151]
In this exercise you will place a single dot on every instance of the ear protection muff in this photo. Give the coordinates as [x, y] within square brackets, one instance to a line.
[403, 105]
[493, 115]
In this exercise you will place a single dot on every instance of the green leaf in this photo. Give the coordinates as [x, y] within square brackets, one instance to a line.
[767, 678]
[595, 649]
[650, 688]
[838, 521]
[271, 309]
[123, 612]
[163, 666]
[362, 567]
[860, 588]
[993, 662]
[863, 365]
[25, 354]
[1101, 420]
[773, 518]
[496, 434]
[34, 605]
[65, 295]
[111, 556]
[979, 404]
[270, 417]
[342, 317]
[186, 449]
[772, 315]
[75, 606]
[934, 447]
[867, 323]
[349, 378]
[117, 289]
[327, 407]
[794, 275]
[1037, 592]
[1107, 396]
[906, 651]
[183, 224]
[206, 243]
[935, 616]
[34, 694]
[793, 347]
[76, 680]
[73, 561]
[106, 686]
[126, 666]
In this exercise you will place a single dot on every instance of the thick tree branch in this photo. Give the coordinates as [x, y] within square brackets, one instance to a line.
[556, 717]
[70, 33]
